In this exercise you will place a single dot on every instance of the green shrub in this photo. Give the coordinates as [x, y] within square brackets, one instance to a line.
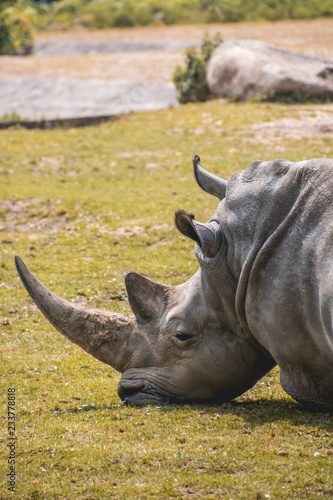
[12, 117]
[191, 81]
[107, 13]
[65, 14]
[296, 97]
[99, 14]
[16, 29]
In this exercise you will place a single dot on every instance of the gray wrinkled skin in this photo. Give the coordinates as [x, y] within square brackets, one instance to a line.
[262, 296]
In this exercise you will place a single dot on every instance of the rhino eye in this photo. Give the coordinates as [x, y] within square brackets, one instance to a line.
[183, 336]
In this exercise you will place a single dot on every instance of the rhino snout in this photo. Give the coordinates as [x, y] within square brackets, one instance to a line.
[137, 393]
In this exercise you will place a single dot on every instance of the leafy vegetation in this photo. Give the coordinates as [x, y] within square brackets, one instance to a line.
[9, 117]
[16, 28]
[65, 14]
[191, 81]
[294, 98]
[82, 207]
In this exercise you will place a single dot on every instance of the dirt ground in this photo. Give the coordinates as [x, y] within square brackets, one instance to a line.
[317, 120]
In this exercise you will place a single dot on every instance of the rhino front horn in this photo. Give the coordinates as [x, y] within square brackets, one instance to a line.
[209, 182]
[207, 236]
[103, 334]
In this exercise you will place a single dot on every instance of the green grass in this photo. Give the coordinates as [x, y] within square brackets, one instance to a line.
[66, 197]
[111, 13]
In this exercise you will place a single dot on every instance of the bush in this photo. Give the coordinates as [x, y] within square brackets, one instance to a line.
[296, 97]
[191, 81]
[66, 14]
[16, 29]
[105, 13]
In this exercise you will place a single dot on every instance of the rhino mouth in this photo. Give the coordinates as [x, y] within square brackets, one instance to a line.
[135, 393]
[139, 387]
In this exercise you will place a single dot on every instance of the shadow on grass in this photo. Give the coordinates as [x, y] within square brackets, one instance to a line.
[255, 413]
[267, 410]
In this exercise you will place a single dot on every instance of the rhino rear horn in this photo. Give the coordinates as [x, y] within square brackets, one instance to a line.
[209, 182]
[207, 236]
[147, 298]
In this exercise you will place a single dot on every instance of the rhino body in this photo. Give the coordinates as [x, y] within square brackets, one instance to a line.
[263, 295]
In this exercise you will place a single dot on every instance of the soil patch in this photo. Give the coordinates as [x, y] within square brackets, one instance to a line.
[311, 123]
[30, 215]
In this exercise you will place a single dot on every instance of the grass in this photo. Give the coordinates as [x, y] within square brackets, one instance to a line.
[66, 200]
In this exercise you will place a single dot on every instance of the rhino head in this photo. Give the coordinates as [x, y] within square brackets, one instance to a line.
[184, 343]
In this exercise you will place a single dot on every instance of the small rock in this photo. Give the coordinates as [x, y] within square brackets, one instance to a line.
[281, 453]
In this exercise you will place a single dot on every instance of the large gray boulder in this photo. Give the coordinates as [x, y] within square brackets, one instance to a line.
[247, 68]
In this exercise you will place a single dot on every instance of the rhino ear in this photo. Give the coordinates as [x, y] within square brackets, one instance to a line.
[147, 298]
[207, 236]
[209, 182]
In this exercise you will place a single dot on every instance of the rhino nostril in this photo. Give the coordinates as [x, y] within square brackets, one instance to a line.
[126, 391]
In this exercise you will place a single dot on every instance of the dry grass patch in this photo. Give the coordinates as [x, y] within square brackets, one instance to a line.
[311, 122]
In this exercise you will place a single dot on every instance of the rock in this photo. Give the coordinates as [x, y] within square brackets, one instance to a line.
[247, 68]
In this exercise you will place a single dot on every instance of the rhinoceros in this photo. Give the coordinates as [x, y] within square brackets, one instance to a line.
[262, 296]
